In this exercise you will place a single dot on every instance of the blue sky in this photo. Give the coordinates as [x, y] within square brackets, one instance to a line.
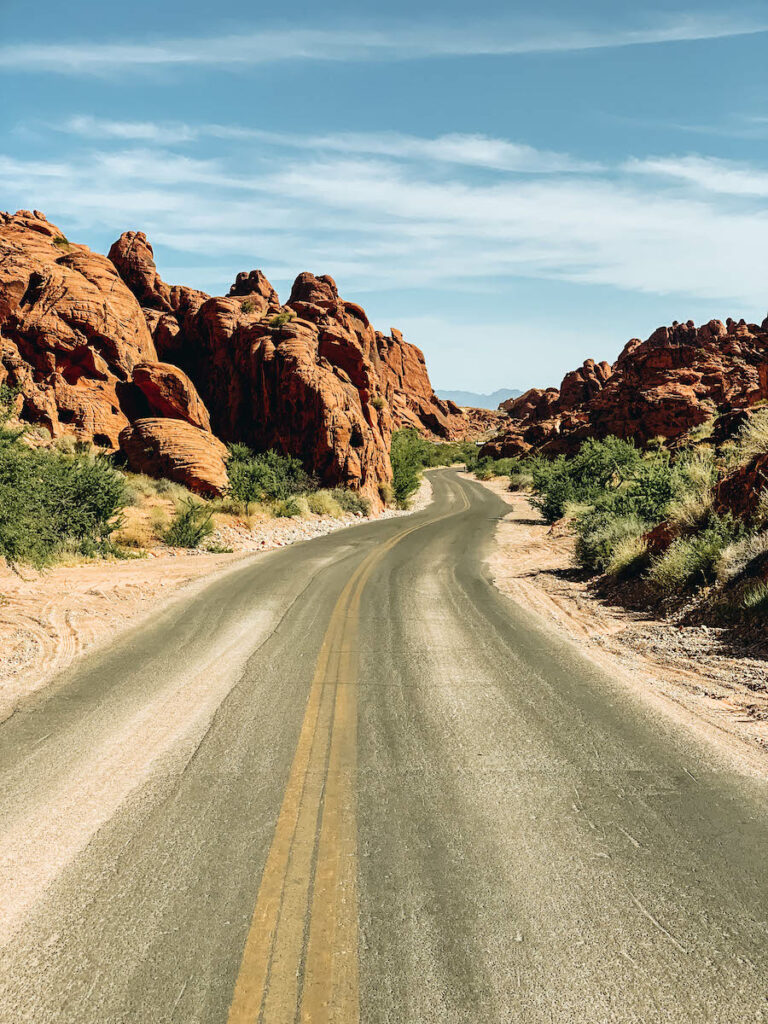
[516, 186]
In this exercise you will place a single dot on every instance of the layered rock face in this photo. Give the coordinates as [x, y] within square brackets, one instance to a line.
[310, 378]
[76, 346]
[662, 387]
[104, 349]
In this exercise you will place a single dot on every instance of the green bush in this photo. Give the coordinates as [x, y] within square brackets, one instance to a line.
[629, 558]
[487, 468]
[350, 501]
[267, 476]
[600, 536]
[191, 524]
[692, 561]
[755, 600]
[280, 319]
[743, 557]
[520, 480]
[378, 402]
[407, 454]
[247, 306]
[554, 487]
[287, 509]
[51, 502]
[323, 503]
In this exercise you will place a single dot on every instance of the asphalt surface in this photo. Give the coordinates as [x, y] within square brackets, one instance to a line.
[351, 781]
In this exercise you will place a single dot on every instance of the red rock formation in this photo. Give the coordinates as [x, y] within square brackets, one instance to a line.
[407, 388]
[75, 342]
[169, 392]
[311, 378]
[177, 450]
[662, 387]
[479, 424]
[739, 492]
[97, 344]
[71, 331]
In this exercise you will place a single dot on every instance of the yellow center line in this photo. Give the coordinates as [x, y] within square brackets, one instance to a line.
[301, 956]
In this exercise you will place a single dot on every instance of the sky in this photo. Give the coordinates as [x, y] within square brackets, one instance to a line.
[516, 186]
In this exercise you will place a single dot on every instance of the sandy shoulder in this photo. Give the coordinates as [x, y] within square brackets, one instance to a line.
[724, 692]
[47, 619]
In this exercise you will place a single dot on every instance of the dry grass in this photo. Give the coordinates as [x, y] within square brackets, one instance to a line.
[752, 439]
[143, 526]
[629, 557]
[736, 557]
[323, 503]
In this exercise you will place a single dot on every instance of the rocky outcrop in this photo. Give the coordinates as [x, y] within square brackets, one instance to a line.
[663, 387]
[179, 451]
[739, 492]
[71, 332]
[104, 349]
[407, 388]
[169, 392]
[310, 378]
[74, 341]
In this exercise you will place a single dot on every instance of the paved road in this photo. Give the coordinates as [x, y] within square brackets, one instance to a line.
[350, 781]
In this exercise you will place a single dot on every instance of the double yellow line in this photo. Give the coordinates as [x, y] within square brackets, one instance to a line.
[300, 959]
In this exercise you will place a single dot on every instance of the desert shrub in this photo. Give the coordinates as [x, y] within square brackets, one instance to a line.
[351, 501]
[752, 438]
[191, 524]
[691, 561]
[280, 319]
[378, 402]
[247, 306]
[487, 468]
[600, 463]
[601, 533]
[387, 493]
[267, 476]
[737, 558]
[61, 242]
[139, 487]
[323, 503]
[520, 480]
[554, 487]
[629, 557]
[287, 509]
[755, 600]
[407, 454]
[49, 501]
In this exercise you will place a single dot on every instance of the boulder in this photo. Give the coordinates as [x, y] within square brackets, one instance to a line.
[179, 451]
[169, 392]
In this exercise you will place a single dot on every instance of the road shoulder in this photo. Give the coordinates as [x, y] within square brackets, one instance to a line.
[721, 693]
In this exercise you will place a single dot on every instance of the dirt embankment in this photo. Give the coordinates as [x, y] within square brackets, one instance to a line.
[697, 667]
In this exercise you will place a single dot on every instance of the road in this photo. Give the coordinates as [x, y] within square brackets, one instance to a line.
[350, 781]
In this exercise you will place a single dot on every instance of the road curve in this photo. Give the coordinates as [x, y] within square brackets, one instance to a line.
[351, 781]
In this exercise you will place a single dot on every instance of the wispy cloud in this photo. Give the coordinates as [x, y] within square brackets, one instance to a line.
[392, 43]
[710, 174]
[481, 151]
[380, 223]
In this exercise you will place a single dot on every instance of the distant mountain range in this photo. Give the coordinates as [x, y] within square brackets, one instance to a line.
[479, 401]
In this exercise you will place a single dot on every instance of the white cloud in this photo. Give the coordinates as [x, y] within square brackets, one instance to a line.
[480, 151]
[378, 223]
[707, 173]
[394, 43]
